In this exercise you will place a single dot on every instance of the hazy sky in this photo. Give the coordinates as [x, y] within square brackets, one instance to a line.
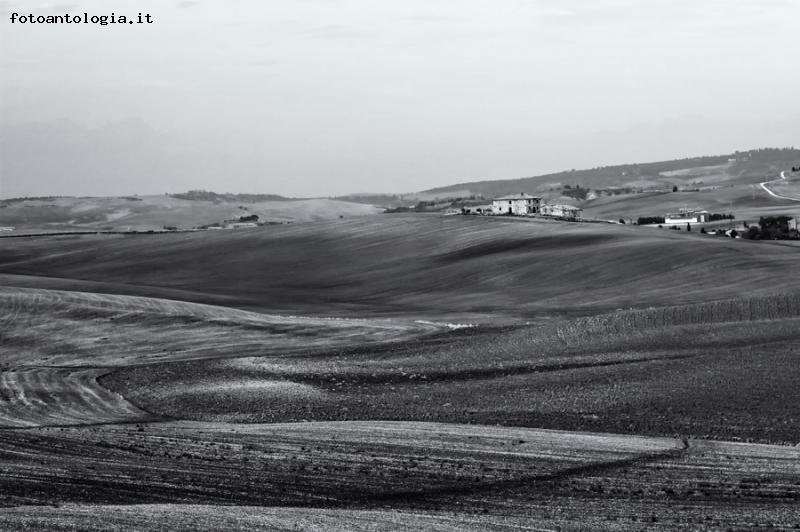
[325, 97]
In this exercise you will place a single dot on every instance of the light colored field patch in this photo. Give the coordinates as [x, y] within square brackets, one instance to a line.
[274, 388]
[196, 517]
[697, 171]
[60, 396]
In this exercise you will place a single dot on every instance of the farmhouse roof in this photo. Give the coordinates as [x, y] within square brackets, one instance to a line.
[516, 197]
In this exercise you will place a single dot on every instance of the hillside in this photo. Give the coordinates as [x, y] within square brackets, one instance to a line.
[731, 169]
[183, 211]
[421, 265]
[611, 377]
[721, 184]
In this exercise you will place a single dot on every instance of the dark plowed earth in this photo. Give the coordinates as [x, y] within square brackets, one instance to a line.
[400, 373]
[626, 373]
[525, 475]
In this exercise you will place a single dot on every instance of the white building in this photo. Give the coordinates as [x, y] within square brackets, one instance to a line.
[684, 216]
[520, 205]
[562, 211]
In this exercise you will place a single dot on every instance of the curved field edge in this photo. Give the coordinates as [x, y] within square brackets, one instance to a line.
[106, 330]
[438, 476]
[55, 344]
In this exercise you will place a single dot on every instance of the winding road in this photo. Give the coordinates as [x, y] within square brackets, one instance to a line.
[771, 193]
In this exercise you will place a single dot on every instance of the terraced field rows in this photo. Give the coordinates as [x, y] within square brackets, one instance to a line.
[633, 322]
[60, 396]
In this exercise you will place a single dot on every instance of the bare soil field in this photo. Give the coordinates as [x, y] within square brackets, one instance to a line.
[673, 372]
[55, 344]
[388, 476]
[323, 377]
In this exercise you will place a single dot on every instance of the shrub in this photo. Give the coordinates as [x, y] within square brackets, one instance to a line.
[644, 220]
[772, 228]
[716, 217]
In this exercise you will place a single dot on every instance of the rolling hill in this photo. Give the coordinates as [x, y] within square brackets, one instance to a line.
[721, 184]
[181, 211]
[427, 266]
[732, 169]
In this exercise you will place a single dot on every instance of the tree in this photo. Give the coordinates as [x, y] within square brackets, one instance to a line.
[622, 221]
[674, 188]
[688, 226]
[703, 230]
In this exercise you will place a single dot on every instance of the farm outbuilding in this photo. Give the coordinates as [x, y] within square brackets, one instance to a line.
[520, 205]
[687, 216]
[562, 211]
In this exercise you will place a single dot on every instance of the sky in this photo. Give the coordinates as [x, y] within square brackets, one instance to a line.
[314, 98]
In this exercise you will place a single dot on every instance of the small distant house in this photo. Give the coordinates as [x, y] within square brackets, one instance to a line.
[6, 228]
[687, 216]
[520, 205]
[562, 211]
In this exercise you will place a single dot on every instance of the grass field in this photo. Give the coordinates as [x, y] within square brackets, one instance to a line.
[428, 267]
[320, 377]
[788, 187]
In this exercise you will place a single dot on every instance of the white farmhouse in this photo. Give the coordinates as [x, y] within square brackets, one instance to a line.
[686, 216]
[519, 205]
